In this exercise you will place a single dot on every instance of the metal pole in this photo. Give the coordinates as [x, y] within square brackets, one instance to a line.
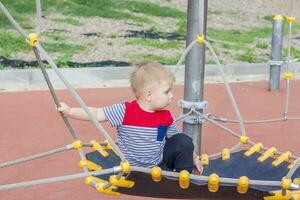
[276, 57]
[194, 66]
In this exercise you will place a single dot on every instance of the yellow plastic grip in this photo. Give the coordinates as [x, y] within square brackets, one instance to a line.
[286, 183]
[107, 145]
[282, 158]
[255, 148]
[121, 182]
[225, 154]
[32, 39]
[125, 166]
[296, 181]
[97, 147]
[98, 184]
[90, 165]
[244, 139]
[200, 39]
[156, 174]
[267, 154]
[184, 179]
[288, 76]
[293, 164]
[243, 185]
[204, 159]
[213, 182]
[77, 144]
[278, 17]
[291, 20]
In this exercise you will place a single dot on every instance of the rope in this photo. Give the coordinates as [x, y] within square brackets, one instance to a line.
[38, 16]
[80, 101]
[56, 101]
[289, 47]
[183, 55]
[67, 84]
[219, 154]
[287, 95]
[218, 125]
[33, 157]
[293, 170]
[134, 168]
[56, 179]
[205, 178]
[228, 89]
[12, 21]
[222, 119]
[291, 7]
[183, 116]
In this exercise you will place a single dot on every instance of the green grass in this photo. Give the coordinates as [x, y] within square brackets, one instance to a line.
[262, 45]
[268, 18]
[249, 56]
[11, 43]
[160, 44]
[1, 66]
[295, 53]
[20, 10]
[181, 27]
[238, 35]
[296, 27]
[137, 58]
[61, 61]
[24, 10]
[115, 9]
[231, 45]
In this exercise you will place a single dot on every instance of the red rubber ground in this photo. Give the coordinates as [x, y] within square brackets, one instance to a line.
[29, 124]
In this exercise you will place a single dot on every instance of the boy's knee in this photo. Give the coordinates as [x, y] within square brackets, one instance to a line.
[185, 142]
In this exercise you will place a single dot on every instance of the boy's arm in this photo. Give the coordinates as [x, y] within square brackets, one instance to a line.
[80, 114]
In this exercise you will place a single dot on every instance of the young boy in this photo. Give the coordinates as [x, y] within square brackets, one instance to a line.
[147, 133]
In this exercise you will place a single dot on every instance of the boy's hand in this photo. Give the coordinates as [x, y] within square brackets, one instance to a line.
[198, 165]
[64, 109]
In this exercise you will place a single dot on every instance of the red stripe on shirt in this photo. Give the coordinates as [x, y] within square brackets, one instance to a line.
[135, 116]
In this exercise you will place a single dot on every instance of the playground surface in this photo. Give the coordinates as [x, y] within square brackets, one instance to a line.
[30, 125]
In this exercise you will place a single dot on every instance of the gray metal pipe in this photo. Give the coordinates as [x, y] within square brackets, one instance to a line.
[276, 57]
[194, 66]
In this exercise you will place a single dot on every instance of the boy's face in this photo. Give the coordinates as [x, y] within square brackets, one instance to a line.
[161, 95]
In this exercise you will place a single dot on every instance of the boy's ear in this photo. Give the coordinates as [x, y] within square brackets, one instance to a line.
[148, 95]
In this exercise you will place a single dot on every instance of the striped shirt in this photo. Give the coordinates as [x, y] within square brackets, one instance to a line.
[142, 135]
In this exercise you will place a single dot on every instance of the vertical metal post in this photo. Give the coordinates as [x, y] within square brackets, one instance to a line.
[276, 57]
[194, 66]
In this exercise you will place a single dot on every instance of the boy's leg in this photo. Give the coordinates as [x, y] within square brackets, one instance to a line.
[178, 153]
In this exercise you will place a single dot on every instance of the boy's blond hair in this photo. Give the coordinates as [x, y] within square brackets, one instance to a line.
[148, 73]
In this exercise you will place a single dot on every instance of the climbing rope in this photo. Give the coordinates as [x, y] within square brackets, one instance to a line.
[57, 179]
[194, 178]
[216, 59]
[75, 95]
[38, 50]
[79, 100]
[56, 101]
[38, 17]
[34, 157]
